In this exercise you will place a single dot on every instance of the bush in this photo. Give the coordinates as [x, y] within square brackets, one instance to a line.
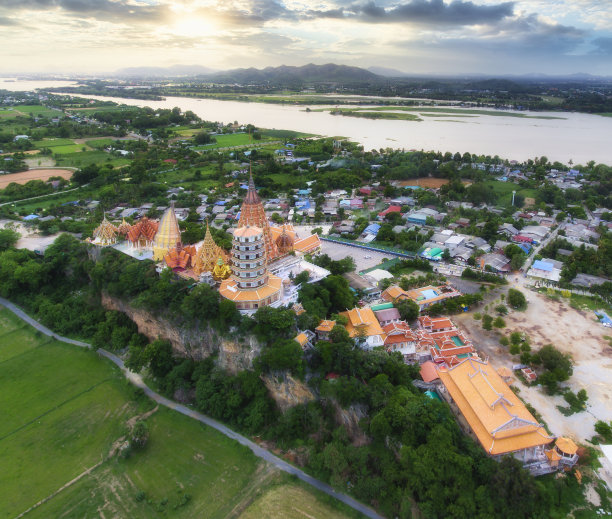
[516, 337]
[516, 299]
[515, 349]
[487, 322]
[140, 435]
[503, 340]
[499, 323]
[501, 309]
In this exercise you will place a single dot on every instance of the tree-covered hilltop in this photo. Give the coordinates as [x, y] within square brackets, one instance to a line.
[406, 453]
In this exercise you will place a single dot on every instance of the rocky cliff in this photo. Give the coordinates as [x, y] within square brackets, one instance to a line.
[287, 391]
[196, 343]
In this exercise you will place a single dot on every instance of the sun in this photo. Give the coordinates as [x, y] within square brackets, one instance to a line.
[193, 27]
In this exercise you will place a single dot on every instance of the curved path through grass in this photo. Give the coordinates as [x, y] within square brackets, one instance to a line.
[260, 452]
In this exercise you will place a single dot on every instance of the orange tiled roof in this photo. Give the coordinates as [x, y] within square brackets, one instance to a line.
[301, 339]
[307, 244]
[429, 371]
[230, 290]
[362, 319]
[500, 421]
[325, 326]
[393, 293]
[145, 228]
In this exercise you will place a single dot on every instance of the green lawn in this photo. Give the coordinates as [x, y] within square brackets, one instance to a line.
[85, 158]
[504, 191]
[64, 410]
[7, 113]
[99, 143]
[52, 143]
[38, 110]
[234, 139]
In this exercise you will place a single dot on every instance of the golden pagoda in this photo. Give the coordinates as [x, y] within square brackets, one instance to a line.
[105, 233]
[209, 253]
[168, 234]
[221, 270]
[252, 214]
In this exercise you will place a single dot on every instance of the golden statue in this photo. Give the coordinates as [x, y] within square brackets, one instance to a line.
[221, 270]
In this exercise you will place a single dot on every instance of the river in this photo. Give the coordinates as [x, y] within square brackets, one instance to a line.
[576, 136]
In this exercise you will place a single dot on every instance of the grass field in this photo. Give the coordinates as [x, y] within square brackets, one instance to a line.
[99, 143]
[504, 191]
[234, 139]
[64, 410]
[85, 158]
[38, 110]
[52, 143]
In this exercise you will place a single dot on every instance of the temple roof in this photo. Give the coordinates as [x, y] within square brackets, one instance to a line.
[208, 254]
[144, 228]
[106, 231]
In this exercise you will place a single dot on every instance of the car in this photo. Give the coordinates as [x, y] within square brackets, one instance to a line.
[367, 257]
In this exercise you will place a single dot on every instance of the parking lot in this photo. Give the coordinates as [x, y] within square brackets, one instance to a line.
[364, 259]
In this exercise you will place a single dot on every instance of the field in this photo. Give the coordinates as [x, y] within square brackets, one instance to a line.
[33, 174]
[38, 110]
[234, 139]
[85, 158]
[432, 183]
[504, 191]
[65, 412]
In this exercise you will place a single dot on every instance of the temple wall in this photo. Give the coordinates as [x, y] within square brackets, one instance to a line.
[195, 343]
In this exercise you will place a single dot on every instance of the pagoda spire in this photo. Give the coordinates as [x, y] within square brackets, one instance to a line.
[252, 197]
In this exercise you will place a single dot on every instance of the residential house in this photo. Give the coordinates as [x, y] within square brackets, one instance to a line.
[387, 316]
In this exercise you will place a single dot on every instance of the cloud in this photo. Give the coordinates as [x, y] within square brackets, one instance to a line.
[603, 46]
[8, 22]
[429, 12]
[106, 10]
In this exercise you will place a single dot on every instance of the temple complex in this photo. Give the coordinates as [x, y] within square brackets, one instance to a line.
[105, 233]
[168, 234]
[251, 286]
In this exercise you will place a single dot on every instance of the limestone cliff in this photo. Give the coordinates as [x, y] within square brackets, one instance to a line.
[196, 343]
[350, 418]
[287, 391]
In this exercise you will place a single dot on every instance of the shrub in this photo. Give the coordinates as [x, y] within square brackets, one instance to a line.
[499, 323]
[503, 340]
[501, 309]
[487, 322]
[515, 349]
[140, 435]
[516, 299]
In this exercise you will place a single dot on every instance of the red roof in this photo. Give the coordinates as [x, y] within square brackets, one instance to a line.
[429, 372]
[170, 161]
[390, 209]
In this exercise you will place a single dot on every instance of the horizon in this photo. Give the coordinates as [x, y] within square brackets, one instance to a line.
[417, 37]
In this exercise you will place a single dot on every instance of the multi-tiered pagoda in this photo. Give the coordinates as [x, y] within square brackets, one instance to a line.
[252, 214]
[251, 286]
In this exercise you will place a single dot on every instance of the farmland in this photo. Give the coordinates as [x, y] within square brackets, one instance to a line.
[65, 410]
[34, 174]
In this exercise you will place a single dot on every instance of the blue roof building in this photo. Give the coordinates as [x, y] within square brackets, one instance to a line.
[373, 229]
[543, 265]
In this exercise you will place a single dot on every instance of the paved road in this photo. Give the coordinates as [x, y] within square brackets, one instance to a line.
[260, 452]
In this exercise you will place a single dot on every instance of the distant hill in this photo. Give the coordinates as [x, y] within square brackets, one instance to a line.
[387, 72]
[161, 72]
[306, 74]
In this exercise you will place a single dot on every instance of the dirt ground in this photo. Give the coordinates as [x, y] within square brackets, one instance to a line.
[34, 174]
[572, 331]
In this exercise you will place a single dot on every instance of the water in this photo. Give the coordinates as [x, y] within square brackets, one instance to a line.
[579, 137]
[18, 85]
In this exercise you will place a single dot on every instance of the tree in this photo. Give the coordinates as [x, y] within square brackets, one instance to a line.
[158, 355]
[8, 238]
[140, 435]
[408, 310]
[516, 299]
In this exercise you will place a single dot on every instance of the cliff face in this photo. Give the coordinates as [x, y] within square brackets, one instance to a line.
[287, 391]
[195, 343]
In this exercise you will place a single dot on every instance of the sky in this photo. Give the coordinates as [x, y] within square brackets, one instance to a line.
[442, 37]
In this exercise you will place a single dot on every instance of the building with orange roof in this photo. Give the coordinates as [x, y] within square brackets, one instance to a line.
[105, 233]
[179, 258]
[251, 286]
[429, 371]
[400, 337]
[424, 296]
[363, 326]
[324, 329]
[309, 245]
[142, 233]
[494, 414]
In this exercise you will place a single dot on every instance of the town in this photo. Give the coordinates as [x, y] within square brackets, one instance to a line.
[360, 313]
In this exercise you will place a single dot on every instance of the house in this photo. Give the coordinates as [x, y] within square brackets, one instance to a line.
[387, 316]
[544, 270]
[388, 210]
[418, 218]
[324, 329]
[363, 326]
[304, 339]
[423, 297]
[497, 262]
[508, 229]
[372, 229]
[586, 280]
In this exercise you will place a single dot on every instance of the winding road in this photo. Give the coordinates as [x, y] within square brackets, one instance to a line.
[260, 452]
